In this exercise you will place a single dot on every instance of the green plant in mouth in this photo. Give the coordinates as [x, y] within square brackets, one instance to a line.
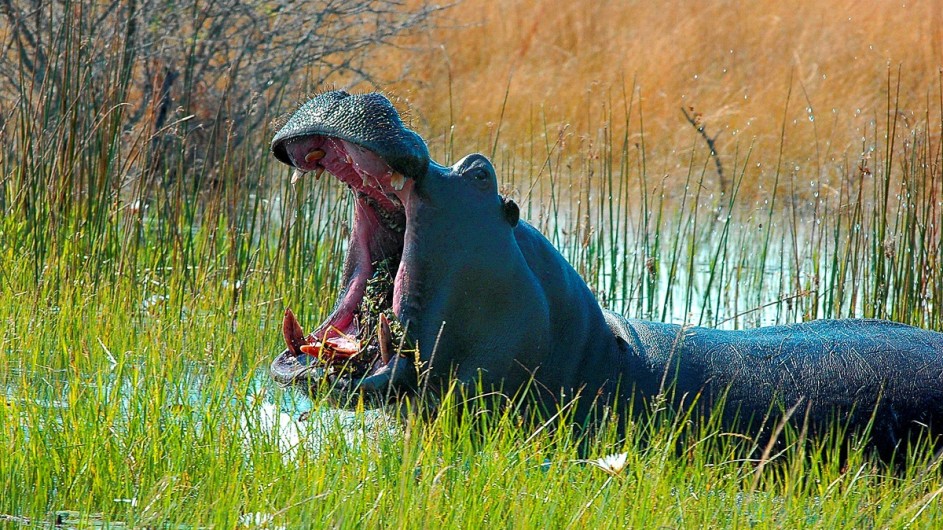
[377, 301]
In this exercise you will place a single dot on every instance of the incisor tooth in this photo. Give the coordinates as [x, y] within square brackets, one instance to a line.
[397, 180]
[296, 175]
[318, 172]
[314, 155]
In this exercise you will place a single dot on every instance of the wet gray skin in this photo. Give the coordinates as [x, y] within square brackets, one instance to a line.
[490, 304]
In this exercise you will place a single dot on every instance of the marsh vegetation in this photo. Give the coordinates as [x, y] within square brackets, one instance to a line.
[149, 245]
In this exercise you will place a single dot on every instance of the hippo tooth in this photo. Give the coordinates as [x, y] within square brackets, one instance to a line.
[316, 154]
[366, 181]
[397, 180]
[318, 172]
[294, 335]
[385, 338]
[296, 175]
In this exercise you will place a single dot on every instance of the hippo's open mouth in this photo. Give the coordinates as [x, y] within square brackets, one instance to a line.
[378, 163]
[357, 333]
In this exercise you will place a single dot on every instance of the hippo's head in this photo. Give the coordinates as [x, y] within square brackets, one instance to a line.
[368, 341]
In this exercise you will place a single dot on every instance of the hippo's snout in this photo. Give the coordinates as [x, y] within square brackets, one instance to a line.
[366, 120]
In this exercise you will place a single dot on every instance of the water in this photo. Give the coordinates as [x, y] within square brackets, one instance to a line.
[266, 414]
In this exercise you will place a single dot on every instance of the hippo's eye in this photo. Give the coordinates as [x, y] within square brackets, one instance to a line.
[478, 173]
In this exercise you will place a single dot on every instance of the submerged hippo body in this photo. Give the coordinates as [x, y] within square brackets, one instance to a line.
[825, 373]
[486, 302]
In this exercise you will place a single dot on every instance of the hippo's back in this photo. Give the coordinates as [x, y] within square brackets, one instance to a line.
[850, 370]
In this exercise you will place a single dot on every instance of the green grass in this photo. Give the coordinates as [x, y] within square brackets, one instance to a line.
[102, 407]
[140, 310]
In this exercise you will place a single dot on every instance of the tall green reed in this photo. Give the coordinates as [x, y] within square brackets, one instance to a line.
[835, 235]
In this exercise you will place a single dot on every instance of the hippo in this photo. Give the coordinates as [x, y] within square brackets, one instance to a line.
[444, 285]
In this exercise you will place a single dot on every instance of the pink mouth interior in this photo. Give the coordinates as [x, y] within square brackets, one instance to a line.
[377, 212]
[359, 168]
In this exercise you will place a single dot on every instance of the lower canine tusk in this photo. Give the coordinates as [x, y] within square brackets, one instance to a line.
[294, 335]
[385, 338]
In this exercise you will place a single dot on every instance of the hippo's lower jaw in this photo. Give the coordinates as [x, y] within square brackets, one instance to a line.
[361, 344]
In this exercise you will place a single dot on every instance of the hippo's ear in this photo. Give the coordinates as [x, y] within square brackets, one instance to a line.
[511, 212]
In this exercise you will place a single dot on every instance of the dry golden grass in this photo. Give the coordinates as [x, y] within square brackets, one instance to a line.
[733, 62]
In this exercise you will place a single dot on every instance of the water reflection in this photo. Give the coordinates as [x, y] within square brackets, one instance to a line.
[298, 424]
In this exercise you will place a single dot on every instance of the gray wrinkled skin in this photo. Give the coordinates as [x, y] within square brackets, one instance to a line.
[853, 371]
[487, 298]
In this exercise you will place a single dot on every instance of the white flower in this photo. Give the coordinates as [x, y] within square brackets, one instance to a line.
[258, 520]
[612, 464]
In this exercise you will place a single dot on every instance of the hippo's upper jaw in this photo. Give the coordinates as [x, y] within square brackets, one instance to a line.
[368, 121]
[361, 140]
